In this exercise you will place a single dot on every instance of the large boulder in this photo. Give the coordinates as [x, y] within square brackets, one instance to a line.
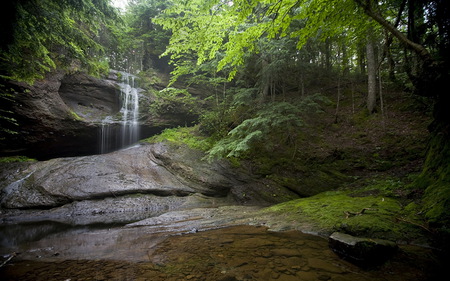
[136, 170]
[147, 179]
[365, 252]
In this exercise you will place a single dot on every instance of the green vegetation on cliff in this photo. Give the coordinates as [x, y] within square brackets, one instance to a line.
[38, 36]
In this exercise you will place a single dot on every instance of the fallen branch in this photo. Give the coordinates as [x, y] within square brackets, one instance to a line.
[352, 214]
[8, 259]
[416, 224]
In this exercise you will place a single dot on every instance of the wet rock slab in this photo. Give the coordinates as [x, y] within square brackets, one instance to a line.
[127, 185]
[59, 181]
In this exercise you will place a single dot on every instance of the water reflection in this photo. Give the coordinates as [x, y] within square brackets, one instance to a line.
[16, 236]
[233, 253]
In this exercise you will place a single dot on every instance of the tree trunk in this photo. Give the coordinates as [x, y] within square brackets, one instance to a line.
[345, 60]
[328, 54]
[371, 75]
[361, 60]
[265, 80]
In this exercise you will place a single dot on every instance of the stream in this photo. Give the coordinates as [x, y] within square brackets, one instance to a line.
[54, 251]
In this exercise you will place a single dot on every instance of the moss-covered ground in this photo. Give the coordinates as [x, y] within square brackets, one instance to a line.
[12, 159]
[375, 216]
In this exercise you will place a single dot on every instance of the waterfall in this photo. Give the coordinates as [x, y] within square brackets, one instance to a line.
[122, 130]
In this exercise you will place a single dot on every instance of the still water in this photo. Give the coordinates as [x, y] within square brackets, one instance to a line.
[60, 252]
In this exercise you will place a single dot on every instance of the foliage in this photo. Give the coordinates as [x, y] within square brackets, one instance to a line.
[7, 121]
[204, 29]
[148, 78]
[48, 33]
[189, 136]
[13, 159]
[141, 41]
[172, 101]
[229, 110]
[274, 124]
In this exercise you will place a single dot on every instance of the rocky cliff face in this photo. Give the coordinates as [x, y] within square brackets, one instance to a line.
[90, 98]
[57, 115]
[61, 115]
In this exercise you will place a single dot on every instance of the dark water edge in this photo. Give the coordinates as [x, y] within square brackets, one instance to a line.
[13, 236]
[232, 253]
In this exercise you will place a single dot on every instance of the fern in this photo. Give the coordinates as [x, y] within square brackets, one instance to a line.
[274, 124]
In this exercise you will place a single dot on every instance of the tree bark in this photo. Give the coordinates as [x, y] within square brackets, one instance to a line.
[361, 60]
[328, 54]
[371, 75]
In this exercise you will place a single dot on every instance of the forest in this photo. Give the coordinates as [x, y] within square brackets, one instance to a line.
[313, 95]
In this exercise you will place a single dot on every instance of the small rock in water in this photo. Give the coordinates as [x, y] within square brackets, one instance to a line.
[193, 230]
[364, 252]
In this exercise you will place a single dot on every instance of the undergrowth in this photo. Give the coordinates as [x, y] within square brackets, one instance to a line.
[12, 159]
[189, 136]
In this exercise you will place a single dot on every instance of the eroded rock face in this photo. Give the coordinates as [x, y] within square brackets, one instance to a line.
[50, 118]
[136, 170]
[90, 98]
[365, 252]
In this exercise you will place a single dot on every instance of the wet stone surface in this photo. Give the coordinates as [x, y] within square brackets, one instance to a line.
[226, 254]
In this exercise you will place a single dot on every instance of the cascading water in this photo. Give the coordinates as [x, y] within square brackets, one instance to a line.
[119, 132]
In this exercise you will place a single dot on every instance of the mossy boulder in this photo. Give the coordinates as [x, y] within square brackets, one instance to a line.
[435, 180]
[369, 216]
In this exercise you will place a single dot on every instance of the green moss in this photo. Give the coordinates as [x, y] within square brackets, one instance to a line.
[337, 211]
[389, 187]
[437, 203]
[189, 136]
[435, 179]
[13, 159]
[75, 116]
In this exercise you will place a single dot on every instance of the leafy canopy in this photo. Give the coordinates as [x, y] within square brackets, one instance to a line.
[203, 28]
[45, 33]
